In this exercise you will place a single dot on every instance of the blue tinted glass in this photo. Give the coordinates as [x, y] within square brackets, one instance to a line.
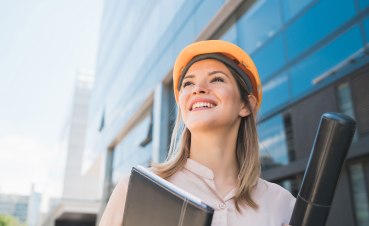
[360, 195]
[345, 103]
[275, 92]
[185, 37]
[273, 145]
[317, 22]
[259, 24]
[292, 7]
[129, 153]
[320, 62]
[231, 35]
[363, 3]
[205, 12]
[366, 28]
[270, 57]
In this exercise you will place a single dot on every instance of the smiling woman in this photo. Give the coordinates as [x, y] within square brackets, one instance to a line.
[216, 157]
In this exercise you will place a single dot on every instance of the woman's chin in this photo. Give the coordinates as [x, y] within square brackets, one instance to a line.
[201, 124]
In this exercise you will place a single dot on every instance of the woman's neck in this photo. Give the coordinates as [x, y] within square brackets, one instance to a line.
[216, 150]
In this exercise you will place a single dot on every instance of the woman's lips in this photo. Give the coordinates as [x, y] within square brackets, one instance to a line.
[202, 101]
[202, 108]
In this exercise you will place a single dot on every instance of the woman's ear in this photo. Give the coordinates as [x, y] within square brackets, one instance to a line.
[245, 111]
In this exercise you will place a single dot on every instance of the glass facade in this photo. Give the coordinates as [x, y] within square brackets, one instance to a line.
[292, 43]
[261, 22]
[345, 102]
[360, 195]
[293, 7]
[366, 28]
[273, 143]
[303, 74]
[137, 50]
[310, 27]
[14, 205]
[131, 151]
[290, 185]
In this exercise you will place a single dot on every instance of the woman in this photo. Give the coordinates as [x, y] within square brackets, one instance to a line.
[216, 158]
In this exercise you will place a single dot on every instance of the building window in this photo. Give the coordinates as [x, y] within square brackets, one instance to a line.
[275, 93]
[360, 195]
[293, 7]
[287, 120]
[149, 133]
[259, 24]
[304, 73]
[292, 185]
[345, 103]
[309, 28]
[102, 123]
[276, 141]
[129, 152]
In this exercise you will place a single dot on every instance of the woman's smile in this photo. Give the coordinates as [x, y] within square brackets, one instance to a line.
[202, 104]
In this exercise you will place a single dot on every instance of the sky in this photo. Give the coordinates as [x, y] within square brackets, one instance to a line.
[42, 45]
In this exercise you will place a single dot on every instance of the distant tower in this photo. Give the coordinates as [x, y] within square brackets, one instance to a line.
[77, 186]
[34, 205]
[79, 202]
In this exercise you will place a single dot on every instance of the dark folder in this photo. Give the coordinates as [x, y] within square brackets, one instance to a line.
[155, 202]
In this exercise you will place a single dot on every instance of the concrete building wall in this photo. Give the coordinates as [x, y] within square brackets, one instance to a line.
[306, 117]
[76, 185]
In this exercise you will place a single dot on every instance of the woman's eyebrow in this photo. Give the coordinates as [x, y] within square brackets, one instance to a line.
[189, 76]
[216, 72]
[210, 73]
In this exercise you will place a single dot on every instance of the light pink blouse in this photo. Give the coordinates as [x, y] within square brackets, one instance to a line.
[275, 203]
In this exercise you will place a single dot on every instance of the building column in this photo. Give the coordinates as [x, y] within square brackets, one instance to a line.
[163, 112]
[106, 182]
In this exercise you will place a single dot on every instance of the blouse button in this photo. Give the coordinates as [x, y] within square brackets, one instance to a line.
[222, 205]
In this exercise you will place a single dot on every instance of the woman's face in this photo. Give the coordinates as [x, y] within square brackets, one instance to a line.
[209, 98]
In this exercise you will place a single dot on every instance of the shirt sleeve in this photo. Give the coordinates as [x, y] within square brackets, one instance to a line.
[289, 201]
[113, 214]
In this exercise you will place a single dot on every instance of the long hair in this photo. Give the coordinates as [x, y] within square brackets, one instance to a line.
[247, 150]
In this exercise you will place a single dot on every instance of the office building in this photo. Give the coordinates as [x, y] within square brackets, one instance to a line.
[34, 204]
[14, 205]
[312, 58]
[80, 200]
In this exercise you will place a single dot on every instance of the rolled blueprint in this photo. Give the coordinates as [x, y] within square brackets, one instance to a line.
[331, 145]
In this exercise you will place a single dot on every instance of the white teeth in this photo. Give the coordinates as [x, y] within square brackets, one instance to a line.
[202, 104]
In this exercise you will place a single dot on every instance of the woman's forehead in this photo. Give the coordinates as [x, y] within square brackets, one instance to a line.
[207, 65]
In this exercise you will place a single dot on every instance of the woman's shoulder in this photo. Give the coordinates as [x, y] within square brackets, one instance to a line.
[124, 180]
[274, 191]
[275, 200]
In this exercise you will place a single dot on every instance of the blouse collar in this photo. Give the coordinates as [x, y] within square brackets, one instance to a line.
[199, 169]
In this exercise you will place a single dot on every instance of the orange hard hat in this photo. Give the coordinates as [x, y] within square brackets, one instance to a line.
[230, 50]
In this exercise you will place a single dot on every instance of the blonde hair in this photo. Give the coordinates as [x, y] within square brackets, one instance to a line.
[247, 150]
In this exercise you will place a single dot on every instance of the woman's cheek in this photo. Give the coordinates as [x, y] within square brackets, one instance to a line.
[182, 100]
[225, 94]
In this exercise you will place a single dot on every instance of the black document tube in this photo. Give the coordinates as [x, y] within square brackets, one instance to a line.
[331, 145]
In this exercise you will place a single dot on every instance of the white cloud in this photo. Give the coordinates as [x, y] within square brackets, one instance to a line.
[25, 161]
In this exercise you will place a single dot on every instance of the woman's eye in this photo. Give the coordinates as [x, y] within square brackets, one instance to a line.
[218, 79]
[186, 83]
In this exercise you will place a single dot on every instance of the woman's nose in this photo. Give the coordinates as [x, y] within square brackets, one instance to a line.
[200, 88]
